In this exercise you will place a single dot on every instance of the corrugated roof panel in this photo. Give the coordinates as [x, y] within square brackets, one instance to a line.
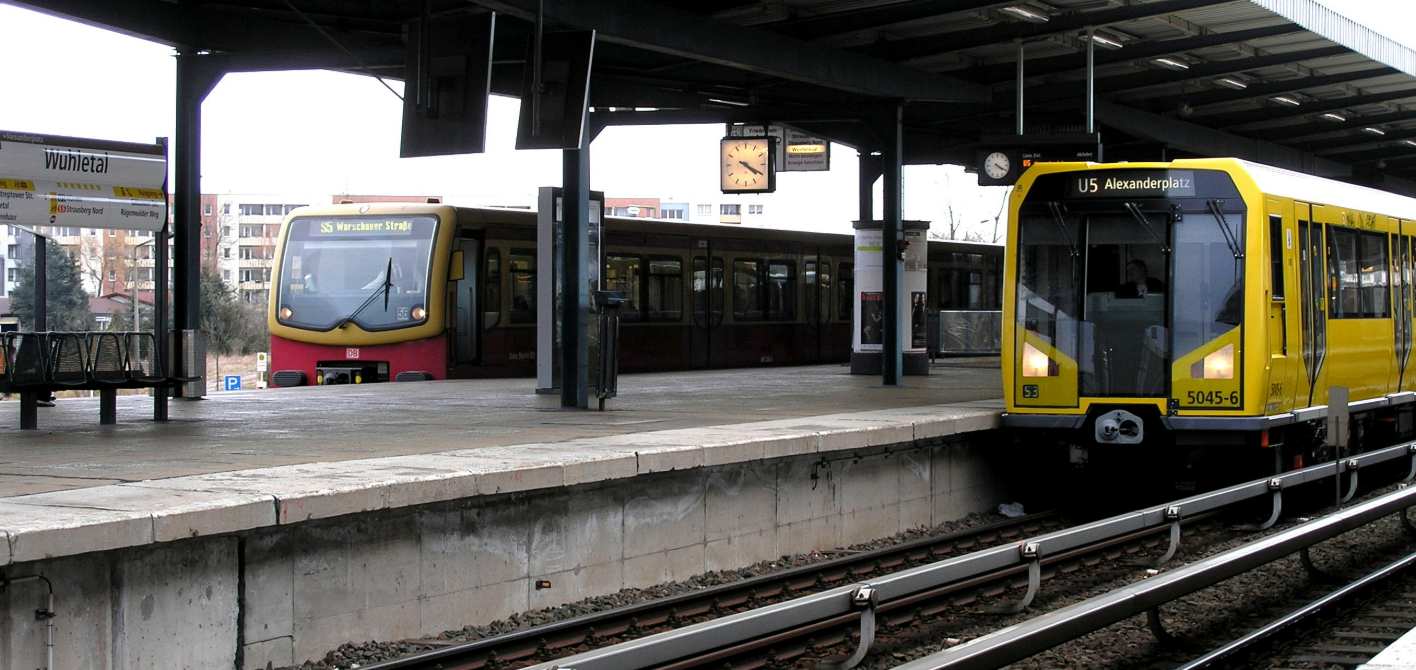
[1344, 31]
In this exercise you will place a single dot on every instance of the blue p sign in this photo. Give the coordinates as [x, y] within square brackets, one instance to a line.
[232, 383]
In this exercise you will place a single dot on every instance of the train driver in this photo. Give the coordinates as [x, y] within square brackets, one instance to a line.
[1139, 283]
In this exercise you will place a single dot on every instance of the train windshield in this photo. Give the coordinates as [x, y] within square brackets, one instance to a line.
[369, 270]
[1123, 286]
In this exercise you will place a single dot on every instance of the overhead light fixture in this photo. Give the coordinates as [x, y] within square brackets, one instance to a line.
[1285, 100]
[1171, 64]
[1104, 41]
[1026, 13]
[1409, 143]
[734, 103]
[1331, 116]
[1230, 82]
[1374, 131]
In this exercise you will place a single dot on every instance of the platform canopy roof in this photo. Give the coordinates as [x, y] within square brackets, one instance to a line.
[1284, 82]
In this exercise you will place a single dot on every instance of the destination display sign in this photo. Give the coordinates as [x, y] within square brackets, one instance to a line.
[1131, 184]
[47, 180]
[361, 227]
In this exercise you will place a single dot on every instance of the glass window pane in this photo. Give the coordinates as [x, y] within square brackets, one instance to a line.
[747, 299]
[665, 289]
[845, 293]
[1373, 275]
[622, 276]
[781, 291]
[522, 266]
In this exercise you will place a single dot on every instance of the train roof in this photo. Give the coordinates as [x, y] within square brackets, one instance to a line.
[1321, 190]
[495, 216]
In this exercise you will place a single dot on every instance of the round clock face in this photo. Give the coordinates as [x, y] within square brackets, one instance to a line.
[746, 162]
[996, 165]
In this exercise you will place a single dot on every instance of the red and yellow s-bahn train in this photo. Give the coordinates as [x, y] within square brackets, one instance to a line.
[381, 292]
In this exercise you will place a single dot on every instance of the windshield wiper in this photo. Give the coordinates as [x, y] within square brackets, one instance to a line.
[383, 288]
[1230, 237]
[1061, 221]
[1135, 210]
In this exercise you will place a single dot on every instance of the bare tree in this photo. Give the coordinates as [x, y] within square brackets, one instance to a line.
[1002, 206]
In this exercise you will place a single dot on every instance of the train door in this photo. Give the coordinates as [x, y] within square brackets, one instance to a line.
[706, 288]
[1401, 302]
[1283, 348]
[1312, 284]
[812, 348]
[466, 315]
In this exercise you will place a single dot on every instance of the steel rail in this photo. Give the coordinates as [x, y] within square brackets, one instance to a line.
[733, 630]
[1327, 603]
[1054, 628]
[651, 613]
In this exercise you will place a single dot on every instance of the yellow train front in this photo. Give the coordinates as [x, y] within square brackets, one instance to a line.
[1203, 308]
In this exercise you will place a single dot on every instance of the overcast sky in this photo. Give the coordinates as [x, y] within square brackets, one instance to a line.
[325, 133]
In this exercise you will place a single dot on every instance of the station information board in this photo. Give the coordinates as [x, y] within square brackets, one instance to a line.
[47, 180]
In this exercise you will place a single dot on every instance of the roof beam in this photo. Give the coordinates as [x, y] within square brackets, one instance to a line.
[1293, 132]
[1221, 96]
[1210, 142]
[1146, 50]
[874, 18]
[1377, 154]
[1348, 143]
[1311, 107]
[665, 30]
[931, 45]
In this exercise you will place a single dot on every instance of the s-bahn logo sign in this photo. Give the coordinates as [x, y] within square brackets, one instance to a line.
[47, 180]
[1132, 184]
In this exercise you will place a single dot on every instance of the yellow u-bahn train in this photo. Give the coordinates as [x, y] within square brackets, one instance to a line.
[1205, 305]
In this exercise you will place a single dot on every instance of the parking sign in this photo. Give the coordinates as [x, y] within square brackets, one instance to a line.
[232, 383]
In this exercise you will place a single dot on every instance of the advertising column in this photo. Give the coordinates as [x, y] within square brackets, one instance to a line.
[867, 339]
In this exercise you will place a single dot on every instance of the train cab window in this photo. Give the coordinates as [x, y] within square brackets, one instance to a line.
[781, 291]
[1124, 312]
[1357, 262]
[664, 289]
[622, 276]
[492, 290]
[845, 293]
[521, 264]
[747, 294]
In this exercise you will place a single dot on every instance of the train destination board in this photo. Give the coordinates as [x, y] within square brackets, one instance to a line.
[46, 180]
[1132, 184]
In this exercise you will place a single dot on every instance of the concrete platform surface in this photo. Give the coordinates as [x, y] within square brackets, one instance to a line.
[244, 460]
[1400, 655]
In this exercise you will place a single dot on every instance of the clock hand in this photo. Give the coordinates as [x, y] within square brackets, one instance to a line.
[749, 167]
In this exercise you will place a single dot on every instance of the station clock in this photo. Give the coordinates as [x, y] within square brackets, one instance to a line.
[747, 165]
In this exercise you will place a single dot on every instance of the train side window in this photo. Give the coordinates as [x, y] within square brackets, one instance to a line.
[823, 281]
[1375, 259]
[665, 289]
[521, 264]
[747, 293]
[622, 275]
[845, 293]
[1276, 254]
[492, 290]
[781, 290]
[813, 295]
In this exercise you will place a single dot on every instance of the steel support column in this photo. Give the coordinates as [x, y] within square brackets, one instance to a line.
[41, 284]
[575, 279]
[869, 172]
[892, 270]
[195, 80]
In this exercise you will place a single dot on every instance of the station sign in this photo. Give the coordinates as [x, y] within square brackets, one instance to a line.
[48, 180]
[1002, 159]
[262, 361]
[798, 151]
[231, 383]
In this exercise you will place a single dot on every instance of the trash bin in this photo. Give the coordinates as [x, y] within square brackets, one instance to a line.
[611, 304]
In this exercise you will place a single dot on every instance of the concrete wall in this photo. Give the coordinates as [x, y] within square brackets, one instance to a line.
[286, 594]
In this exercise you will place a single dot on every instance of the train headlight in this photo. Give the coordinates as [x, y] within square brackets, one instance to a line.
[1036, 363]
[1218, 365]
[419, 313]
[285, 313]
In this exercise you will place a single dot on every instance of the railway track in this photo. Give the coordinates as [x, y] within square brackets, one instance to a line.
[564, 637]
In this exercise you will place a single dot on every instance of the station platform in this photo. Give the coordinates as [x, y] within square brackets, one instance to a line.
[1399, 655]
[305, 518]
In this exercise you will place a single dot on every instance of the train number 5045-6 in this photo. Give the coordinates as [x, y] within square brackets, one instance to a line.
[1212, 398]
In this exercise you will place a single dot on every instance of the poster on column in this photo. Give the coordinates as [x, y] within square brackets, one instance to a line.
[919, 334]
[47, 180]
[872, 321]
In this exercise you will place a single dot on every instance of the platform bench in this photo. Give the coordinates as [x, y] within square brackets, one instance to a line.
[37, 364]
